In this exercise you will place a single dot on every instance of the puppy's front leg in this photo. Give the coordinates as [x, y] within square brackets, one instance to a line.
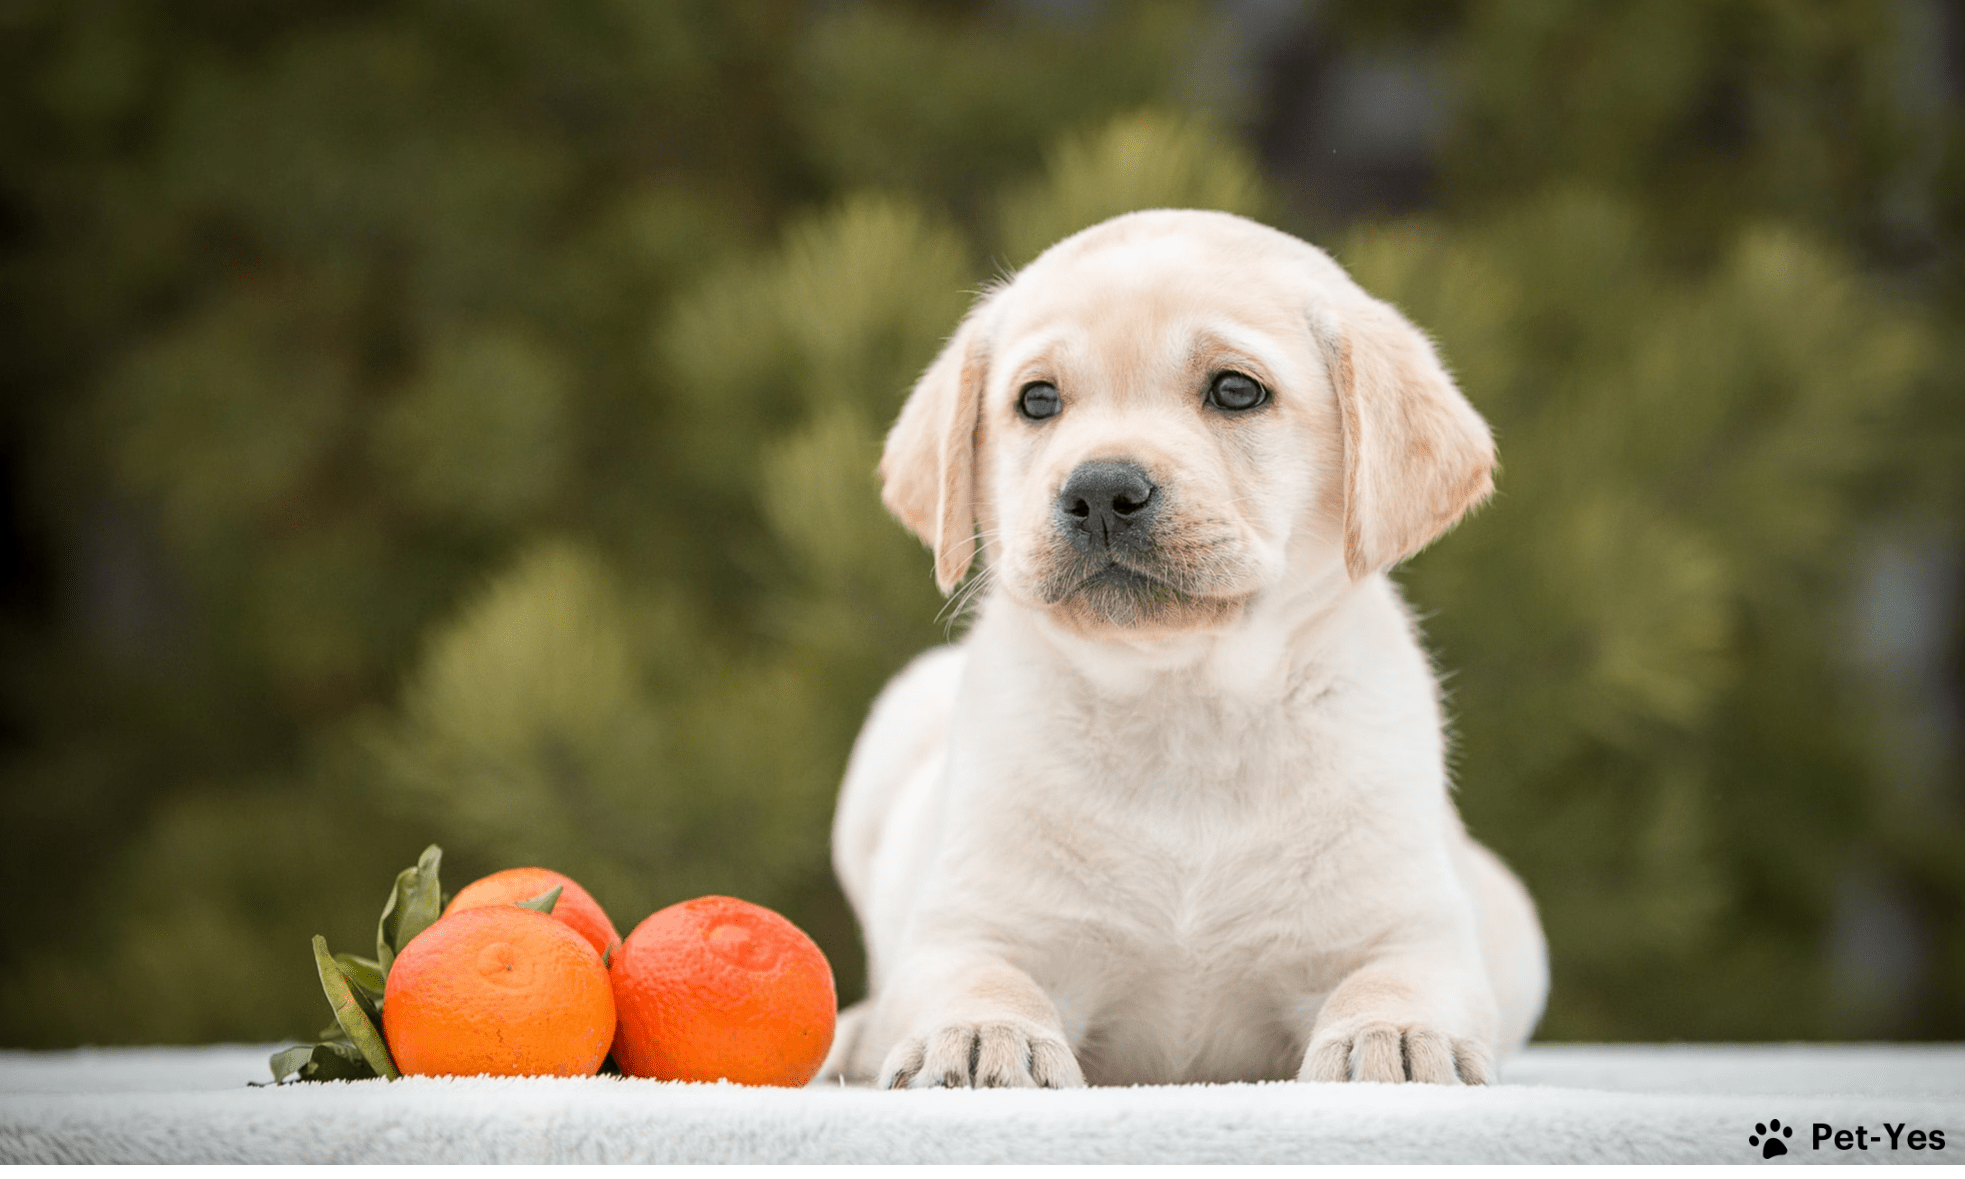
[972, 1020]
[1411, 1017]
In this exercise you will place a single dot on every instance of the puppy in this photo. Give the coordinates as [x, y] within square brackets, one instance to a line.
[1175, 808]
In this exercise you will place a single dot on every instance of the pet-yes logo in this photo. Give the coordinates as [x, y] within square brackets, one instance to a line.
[1767, 1135]
[1772, 1138]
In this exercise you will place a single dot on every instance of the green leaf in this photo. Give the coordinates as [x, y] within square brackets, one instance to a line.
[544, 902]
[424, 904]
[371, 1007]
[287, 1061]
[392, 919]
[349, 1014]
[365, 975]
[414, 902]
[329, 1060]
[336, 1060]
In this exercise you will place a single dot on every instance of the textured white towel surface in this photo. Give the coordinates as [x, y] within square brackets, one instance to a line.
[1557, 1103]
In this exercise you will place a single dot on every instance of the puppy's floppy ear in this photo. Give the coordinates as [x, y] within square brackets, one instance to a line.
[928, 467]
[1416, 454]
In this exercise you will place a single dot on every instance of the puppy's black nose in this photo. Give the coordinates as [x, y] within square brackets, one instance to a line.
[1106, 505]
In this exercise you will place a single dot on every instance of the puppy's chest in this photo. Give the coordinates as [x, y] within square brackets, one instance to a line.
[1187, 921]
[1173, 833]
[1166, 753]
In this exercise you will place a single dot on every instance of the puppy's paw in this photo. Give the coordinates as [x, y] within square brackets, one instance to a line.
[989, 1054]
[1383, 1050]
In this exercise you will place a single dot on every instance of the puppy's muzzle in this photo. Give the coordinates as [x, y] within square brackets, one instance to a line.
[1107, 508]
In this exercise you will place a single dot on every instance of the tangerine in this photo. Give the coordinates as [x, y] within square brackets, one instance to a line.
[499, 990]
[717, 988]
[576, 906]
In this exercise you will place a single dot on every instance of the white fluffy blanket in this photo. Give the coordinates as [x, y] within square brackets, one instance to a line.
[1557, 1103]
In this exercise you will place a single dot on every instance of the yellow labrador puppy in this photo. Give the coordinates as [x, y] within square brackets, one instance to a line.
[1175, 809]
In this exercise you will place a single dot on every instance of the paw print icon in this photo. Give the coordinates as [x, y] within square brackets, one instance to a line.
[1773, 1146]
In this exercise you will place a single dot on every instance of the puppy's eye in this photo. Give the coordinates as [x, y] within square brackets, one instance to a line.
[1233, 391]
[1039, 400]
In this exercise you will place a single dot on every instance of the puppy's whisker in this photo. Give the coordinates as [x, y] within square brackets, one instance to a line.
[960, 603]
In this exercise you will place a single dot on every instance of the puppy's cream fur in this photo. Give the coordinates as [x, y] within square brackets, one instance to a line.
[1202, 832]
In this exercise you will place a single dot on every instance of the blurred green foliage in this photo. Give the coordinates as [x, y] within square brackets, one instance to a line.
[455, 423]
[1673, 514]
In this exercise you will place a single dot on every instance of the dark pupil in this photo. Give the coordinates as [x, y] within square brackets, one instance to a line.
[1235, 391]
[1039, 400]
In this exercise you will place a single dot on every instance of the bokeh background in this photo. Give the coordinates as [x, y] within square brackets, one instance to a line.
[454, 422]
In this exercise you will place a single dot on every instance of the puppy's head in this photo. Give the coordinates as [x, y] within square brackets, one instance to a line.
[1165, 414]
